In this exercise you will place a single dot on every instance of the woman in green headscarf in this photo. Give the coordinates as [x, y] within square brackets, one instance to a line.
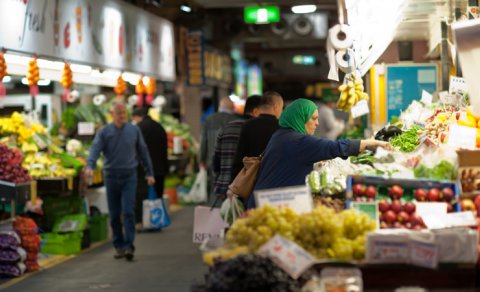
[292, 150]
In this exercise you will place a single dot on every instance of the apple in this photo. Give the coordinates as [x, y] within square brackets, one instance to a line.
[409, 207]
[358, 189]
[403, 217]
[390, 216]
[467, 205]
[447, 194]
[383, 206]
[371, 192]
[396, 206]
[396, 192]
[415, 219]
[449, 208]
[382, 218]
[433, 194]
[457, 115]
[477, 203]
[420, 195]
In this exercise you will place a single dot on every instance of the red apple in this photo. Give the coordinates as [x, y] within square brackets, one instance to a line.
[396, 192]
[403, 217]
[433, 194]
[415, 219]
[383, 206]
[396, 206]
[457, 115]
[409, 207]
[382, 218]
[420, 195]
[447, 194]
[467, 205]
[390, 216]
[358, 189]
[371, 192]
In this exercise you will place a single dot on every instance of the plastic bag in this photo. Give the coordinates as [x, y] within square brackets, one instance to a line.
[155, 214]
[25, 226]
[13, 256]
[198, 193]
[231, 209]
[9, 239]
[14, 270]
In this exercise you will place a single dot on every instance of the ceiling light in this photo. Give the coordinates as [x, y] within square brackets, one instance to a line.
[304, 9]
[186, 8]
[7, 79]
[76, 68]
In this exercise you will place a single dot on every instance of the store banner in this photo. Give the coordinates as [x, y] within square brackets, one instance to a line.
[195, 58]
[100, 33]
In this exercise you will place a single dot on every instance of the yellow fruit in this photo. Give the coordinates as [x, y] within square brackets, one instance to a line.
[350, 84]
[342, 87]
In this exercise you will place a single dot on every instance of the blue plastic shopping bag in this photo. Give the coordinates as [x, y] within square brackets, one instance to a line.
[155, 215]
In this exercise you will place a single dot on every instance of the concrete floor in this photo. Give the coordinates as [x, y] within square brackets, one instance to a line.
[164, 261]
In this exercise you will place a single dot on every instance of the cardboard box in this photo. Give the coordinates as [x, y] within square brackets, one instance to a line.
[469, 172]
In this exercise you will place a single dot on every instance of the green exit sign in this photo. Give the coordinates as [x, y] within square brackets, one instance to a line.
[261, 15]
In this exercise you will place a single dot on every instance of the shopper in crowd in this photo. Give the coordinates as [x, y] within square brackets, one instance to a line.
[122, 145]
[329, 127]
[257, 132]
[156, 139]
[210, 130]
[226, 145]
[293, 150]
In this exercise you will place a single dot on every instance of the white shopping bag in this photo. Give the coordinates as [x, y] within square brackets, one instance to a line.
[207, 224]
[198, 192]
[155, 214]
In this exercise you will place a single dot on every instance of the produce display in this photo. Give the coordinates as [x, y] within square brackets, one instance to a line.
[351, 92]
[174, 128]
[408, 140]
[21, 126]
[45, 165]
[11, 169]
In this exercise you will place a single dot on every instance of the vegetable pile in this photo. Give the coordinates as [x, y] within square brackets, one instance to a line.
[408, 140]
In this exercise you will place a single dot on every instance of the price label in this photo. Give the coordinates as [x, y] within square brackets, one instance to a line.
[360, 109]
[458, 86]
[460, 219]
[462, 137]
[39, 141]
[426, 98]
[86, 128]
[290, 257]
[296, 198]
[423, 254]
[432, 214]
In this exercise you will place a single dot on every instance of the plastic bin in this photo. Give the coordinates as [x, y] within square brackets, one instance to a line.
[98, 227]
[71, 223]
[63, 244]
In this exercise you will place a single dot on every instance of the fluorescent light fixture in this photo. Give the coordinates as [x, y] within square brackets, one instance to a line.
[300, 9]
[16, 59]
[236, 99]
[7, 79]
[76, 68]
[130, 77]
[52, 65]
[44, 82]
[113, 74]
[186, 8]
[24, 81]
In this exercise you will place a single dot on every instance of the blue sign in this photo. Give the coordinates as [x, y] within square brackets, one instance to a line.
[404, 83]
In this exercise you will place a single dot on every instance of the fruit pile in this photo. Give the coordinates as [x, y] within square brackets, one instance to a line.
[44, 165]
[11, 169]
[322, 232]
[397, 215]
[351, 92]
[363, 193]
[18, 125]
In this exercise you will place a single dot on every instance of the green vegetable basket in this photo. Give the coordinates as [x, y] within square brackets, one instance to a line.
[63, 244]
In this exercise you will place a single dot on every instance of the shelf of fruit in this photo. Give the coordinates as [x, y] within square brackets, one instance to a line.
[14, 179]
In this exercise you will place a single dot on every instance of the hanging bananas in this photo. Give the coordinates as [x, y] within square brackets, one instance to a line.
[351, 92]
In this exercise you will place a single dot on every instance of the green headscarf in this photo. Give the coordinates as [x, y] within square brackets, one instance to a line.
[297, 114]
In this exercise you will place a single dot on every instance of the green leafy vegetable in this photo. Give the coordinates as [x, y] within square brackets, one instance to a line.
[442, 171]
[408, 140]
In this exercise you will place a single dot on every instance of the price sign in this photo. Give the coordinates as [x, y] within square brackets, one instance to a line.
[460, 219]
[290, 257]
[86, 128]
[426, 98]
[458, 85]
[360, 109]
[423, 254]
[462, 137]
[432, 213]
[296, 198]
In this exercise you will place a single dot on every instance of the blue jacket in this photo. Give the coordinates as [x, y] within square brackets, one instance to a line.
[290, 156]
[122, 147]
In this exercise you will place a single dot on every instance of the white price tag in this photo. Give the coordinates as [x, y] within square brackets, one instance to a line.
[426, 98]
[86, 128]
[424, 254]
[457, 86]
[39, 141]
[360, 109]
[460, 219]
[296, 198]
[289, 256]
[462, 137]
[432, 214]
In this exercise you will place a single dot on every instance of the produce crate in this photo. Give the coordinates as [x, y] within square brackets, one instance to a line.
[469, 172]
[71, 223]
[20, 193]
[64, 244]
[55, 208]
[98, 227]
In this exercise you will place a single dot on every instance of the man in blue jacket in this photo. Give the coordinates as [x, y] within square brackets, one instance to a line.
[122, 145]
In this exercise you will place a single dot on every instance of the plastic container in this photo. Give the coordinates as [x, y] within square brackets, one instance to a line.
[71, 223]
[98, 227]
[63, 244]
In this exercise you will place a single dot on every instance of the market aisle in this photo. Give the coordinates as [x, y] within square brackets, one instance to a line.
[164, 261]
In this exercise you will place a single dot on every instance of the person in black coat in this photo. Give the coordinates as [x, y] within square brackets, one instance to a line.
[156, 139]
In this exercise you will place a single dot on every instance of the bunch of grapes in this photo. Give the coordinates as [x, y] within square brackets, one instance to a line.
[11, 169]
[261, 225]
[317, 231]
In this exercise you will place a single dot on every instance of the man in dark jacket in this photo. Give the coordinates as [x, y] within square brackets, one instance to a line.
[257, 132]
[156, 139]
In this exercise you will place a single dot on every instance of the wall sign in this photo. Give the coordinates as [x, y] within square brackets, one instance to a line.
[195, 58]
[95, 32]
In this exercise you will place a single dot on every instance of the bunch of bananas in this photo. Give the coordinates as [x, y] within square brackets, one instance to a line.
[140, 87]
[151, 87]
[16, 124]
[43, 165]
[28, 147]
[33, 74]
[121, 86]
[3, 67]
[351, 92]
[67, 76]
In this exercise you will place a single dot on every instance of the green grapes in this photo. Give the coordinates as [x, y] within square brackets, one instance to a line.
[355, 223]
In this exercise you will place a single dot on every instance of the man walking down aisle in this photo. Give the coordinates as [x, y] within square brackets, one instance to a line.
[257, 132]
[122, 145]
[209, 136]
[156, 139]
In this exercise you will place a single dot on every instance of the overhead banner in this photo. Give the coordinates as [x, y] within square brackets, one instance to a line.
[102, 33]
[195, 58]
